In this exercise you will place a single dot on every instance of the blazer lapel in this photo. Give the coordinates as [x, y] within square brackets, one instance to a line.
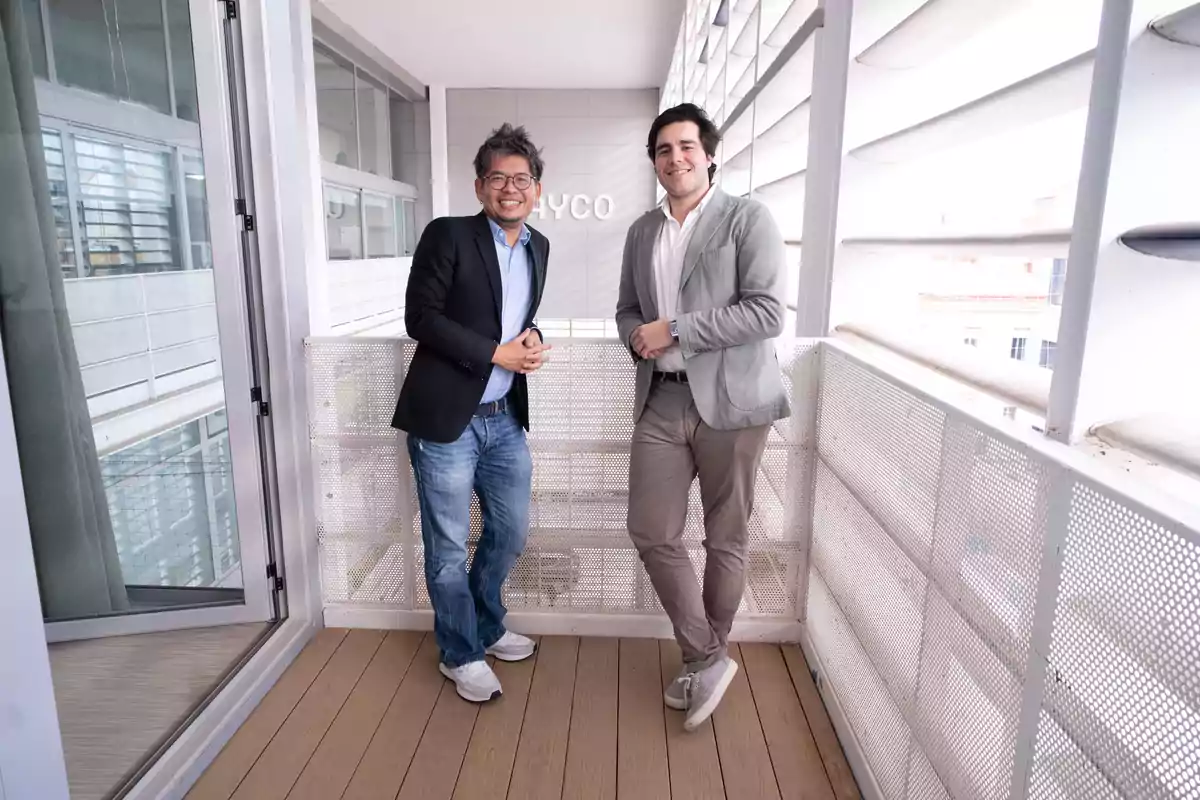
[706, 226]
[487, 250]
[645, 269]
[539, 275]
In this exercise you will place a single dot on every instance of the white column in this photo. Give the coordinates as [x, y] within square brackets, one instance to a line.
[1091, 194]
[439, 152]
[31, 755]
[824, 175]
[1129, 323]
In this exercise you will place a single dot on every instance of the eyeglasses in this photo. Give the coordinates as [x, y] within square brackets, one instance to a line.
[497, 181]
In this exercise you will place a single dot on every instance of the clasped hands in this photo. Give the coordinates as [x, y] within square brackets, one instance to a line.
[524, 354]
[652, 339]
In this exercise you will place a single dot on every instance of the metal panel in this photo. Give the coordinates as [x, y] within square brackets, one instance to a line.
[579, 558]
[1044, 671]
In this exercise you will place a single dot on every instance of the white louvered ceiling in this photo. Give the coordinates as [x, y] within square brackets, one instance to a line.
[944, 97]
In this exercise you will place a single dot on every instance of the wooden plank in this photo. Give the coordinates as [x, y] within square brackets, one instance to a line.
[439, 757]
[332, 766]
[591, 772]
[799, 770]
[285, 757]
[745, 761]
[384, 765]
[542, 752]
[642, 770]
[834, 758]
[227, 771]
[487, 767]
[695, 767]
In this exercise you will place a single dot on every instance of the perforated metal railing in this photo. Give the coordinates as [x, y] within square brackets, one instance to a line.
[994, 616]
[579, 558]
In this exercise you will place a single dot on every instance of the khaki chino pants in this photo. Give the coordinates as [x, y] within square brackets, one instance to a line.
[671, 447]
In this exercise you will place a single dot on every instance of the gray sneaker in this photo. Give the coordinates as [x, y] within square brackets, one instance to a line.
[705, 690]
[675, 695]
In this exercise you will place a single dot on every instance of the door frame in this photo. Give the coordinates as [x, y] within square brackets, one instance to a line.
[229, 275]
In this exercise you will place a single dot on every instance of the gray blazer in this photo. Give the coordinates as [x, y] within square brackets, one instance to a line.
[730, 308]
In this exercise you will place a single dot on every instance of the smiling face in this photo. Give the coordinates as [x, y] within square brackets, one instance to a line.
[680, 160]
[501, 194]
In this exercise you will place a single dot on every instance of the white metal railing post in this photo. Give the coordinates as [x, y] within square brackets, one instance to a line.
[1057, 499]
[1090, 198]
[823, 178]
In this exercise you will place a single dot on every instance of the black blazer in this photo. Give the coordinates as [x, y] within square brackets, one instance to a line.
[452, 310]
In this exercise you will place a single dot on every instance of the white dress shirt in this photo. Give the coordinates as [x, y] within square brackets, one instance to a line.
[669, 250]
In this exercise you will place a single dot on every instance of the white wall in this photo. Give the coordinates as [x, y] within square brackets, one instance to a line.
[31, 756]
[367, 292]
[593, 143]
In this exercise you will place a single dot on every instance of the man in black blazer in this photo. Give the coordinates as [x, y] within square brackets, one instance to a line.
[473, 293]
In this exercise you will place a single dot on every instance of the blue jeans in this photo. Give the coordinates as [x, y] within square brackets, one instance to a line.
[491, 459]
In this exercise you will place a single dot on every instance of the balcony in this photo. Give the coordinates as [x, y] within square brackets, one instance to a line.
[987, 613]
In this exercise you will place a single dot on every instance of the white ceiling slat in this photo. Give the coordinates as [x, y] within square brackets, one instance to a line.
[1035, 244]
[792, 19]
[933, 28]
[773, 84]
[746, 44]
[1031, 100]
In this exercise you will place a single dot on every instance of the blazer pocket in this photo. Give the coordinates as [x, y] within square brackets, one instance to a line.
[751, 373]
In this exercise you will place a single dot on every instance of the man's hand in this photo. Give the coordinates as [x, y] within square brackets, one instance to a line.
[523, 354]
[651, 339]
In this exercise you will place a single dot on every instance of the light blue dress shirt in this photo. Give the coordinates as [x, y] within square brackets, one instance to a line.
[516, 278]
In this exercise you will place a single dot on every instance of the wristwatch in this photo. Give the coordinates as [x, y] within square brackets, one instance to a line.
[674, 328]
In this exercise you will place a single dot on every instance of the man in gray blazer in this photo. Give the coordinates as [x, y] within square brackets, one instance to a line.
[702, 280]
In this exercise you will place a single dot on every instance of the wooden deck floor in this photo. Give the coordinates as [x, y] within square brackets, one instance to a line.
[365, 714]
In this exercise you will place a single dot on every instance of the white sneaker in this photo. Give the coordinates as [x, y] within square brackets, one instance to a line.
[475, 681]
[705, 690]
[512, 647]
[675, 695]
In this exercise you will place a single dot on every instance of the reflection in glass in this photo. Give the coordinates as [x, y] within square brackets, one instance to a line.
[373, 127]
[335, 109]
[183, 66]
[32, 10]
[170, 499]
[114, 47]
[343, 224]
[56, 175]
[381, 230]
[197, 211]
[409, 209]
[126, 201]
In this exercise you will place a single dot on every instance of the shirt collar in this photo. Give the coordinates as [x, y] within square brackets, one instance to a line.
[695, 212]
[501, 236]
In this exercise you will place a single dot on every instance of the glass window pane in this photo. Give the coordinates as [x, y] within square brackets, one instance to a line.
[335, 108]
[127, 204]
[56, 174]
[197, 211]
[117, 48]
[381, 226]
[343, 224]
[373, 126]
[409, 227]
[183, 66]
[37, 41]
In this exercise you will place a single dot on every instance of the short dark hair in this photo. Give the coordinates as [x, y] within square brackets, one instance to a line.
[710, 137]
[508, 141]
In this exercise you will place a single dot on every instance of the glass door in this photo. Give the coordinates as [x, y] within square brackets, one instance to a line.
[156, 351]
